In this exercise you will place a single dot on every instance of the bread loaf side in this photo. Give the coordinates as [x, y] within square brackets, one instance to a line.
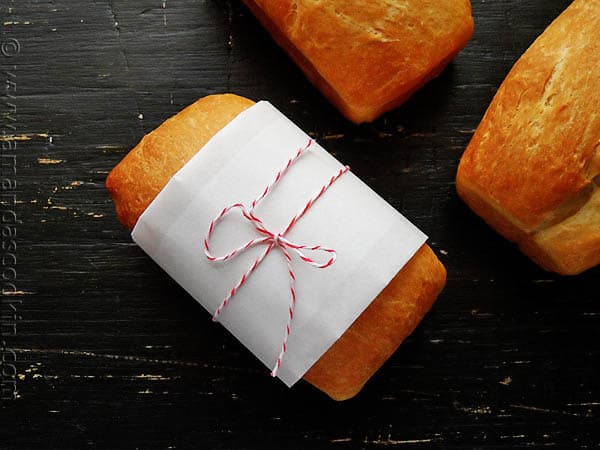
[368, 56]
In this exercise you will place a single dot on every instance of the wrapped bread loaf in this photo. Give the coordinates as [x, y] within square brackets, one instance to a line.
[368, 57]
[532, 168]
[373, 337]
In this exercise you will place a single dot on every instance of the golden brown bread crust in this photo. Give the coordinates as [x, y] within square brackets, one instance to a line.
[368, 56]
[380, 329]
[531, 169]
[373, 337]
[142, 174]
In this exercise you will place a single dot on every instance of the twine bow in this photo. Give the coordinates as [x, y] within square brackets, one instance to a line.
[271, 240]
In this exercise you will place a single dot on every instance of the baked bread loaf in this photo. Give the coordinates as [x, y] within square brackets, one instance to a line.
[368, 56]
[532, 168]
[373, 337]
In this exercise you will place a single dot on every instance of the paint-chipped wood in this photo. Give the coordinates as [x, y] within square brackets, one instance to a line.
[110, 353]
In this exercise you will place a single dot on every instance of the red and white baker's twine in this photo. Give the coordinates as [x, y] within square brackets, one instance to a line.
[271, 240]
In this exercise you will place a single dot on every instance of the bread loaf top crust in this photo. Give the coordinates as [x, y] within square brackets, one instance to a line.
[368, 55]
[146, 169]
[536, 153]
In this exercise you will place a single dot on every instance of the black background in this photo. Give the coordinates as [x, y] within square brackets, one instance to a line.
[112, 353]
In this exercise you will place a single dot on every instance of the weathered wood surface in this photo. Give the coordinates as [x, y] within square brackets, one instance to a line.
[111, 353]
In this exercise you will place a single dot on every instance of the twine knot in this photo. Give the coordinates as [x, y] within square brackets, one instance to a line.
[271, 240]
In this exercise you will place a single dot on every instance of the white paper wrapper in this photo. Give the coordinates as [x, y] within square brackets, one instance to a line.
[373, 241]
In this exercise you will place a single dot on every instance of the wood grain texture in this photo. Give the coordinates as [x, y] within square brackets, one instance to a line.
[112, 354]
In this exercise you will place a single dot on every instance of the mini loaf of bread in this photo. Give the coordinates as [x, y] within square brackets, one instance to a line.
[532, 168]
[368, 56]
[343, 370]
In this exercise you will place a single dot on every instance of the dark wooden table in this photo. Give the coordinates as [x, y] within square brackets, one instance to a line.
[110, 353]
